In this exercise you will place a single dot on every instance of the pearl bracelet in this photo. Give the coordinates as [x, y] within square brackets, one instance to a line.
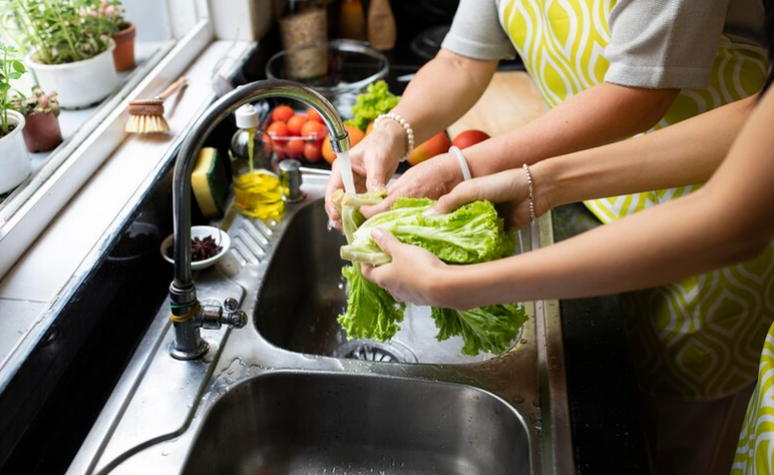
[531, 196]
[404, 123]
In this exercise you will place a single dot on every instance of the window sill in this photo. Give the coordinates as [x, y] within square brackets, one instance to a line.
[35, 285]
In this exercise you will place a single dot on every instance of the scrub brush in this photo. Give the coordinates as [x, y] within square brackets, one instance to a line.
[147, 116]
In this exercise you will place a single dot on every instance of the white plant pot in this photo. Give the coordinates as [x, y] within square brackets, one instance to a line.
[14, 161]
[80, 84]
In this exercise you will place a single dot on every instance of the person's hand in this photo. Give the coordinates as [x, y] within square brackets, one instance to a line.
[508, 189]
[429, 179]
[409, 277]
[374, 161]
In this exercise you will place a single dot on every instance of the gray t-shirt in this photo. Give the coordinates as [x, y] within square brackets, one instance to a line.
[653, 43]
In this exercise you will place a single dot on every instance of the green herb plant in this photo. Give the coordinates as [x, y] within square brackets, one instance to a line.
[11, 69]
[473, 233]
[62, 31]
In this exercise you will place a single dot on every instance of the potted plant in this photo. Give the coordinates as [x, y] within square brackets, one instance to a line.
[40, 110]
[123, 55]
[71, 47]
[14, 161]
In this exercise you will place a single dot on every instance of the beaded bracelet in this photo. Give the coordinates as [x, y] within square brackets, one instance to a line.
[404, 123]
[531, 196]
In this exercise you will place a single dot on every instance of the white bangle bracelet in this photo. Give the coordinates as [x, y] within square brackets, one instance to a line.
[404, 123]
[461, 160]
[531, 195]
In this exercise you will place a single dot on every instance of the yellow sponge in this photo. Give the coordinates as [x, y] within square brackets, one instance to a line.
[209, 183]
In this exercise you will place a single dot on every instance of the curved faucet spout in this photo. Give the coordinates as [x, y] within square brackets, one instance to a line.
[184, 304]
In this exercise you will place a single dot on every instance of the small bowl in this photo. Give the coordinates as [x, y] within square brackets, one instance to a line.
[201, 232]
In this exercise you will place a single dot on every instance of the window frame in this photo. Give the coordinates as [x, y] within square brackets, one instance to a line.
[28, 211]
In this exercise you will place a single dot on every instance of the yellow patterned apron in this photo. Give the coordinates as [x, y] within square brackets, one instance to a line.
[755, 451]
[698, 338]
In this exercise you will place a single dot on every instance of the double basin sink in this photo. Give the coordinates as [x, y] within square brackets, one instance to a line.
[288, 394]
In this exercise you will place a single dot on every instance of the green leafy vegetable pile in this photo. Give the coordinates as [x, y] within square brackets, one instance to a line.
[376, 100]
[473, 233]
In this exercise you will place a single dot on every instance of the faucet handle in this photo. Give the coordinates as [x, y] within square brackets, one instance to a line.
[235, 317]
[213, 316]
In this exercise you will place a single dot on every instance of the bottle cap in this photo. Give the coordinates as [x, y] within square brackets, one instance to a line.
[247, 117]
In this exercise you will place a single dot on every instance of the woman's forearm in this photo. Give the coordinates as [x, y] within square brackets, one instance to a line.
[726, 222]
[679, 155]
[442, 91]
[603, 114]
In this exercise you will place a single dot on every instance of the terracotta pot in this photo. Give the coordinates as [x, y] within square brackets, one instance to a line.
[42, 133]
[123, 55]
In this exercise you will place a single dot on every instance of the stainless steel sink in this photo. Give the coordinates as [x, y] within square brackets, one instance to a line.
[289, 395]
[298, 423]
[302, 291]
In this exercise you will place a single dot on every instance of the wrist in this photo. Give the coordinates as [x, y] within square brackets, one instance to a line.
[544, 187]
[400, 127]
[448, 169]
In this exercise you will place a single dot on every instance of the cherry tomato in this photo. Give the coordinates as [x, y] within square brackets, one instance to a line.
[314, 129]
[312, 114]
[295, 147]
[295, 123]
[278, 129]
[313, 151]
[469, 137]
[282, 113]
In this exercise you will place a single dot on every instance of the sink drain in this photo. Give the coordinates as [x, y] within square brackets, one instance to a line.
[367, 350]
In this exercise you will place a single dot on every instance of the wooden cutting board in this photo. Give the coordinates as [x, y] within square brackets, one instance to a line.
[510, 101]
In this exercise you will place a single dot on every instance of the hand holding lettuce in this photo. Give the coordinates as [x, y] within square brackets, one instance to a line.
[473, 233]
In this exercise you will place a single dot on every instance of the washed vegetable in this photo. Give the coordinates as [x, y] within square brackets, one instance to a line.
[473, 233]
[376, 100]
[371, 311]
[490, 328]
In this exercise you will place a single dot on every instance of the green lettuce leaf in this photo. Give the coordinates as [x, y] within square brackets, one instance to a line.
[490, 328]
[371, 311]
[472, 233]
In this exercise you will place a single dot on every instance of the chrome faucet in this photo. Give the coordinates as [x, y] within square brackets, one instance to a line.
[187, 313]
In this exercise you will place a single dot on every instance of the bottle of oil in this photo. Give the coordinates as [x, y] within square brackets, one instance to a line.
[257, 189]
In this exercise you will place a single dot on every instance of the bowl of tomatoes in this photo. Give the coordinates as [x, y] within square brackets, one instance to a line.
[302, 135]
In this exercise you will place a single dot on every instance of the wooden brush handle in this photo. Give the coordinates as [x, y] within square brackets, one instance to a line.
[172, 88]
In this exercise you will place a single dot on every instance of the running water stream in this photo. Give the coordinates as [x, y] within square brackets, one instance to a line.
[345, 167]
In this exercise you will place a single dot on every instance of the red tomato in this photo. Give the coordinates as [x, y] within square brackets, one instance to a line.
[313, 151]
[312, 114]
[278, 129]
[282, 113]
[313, 129]
[295, 123]
[469, 137]
[295, 147]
